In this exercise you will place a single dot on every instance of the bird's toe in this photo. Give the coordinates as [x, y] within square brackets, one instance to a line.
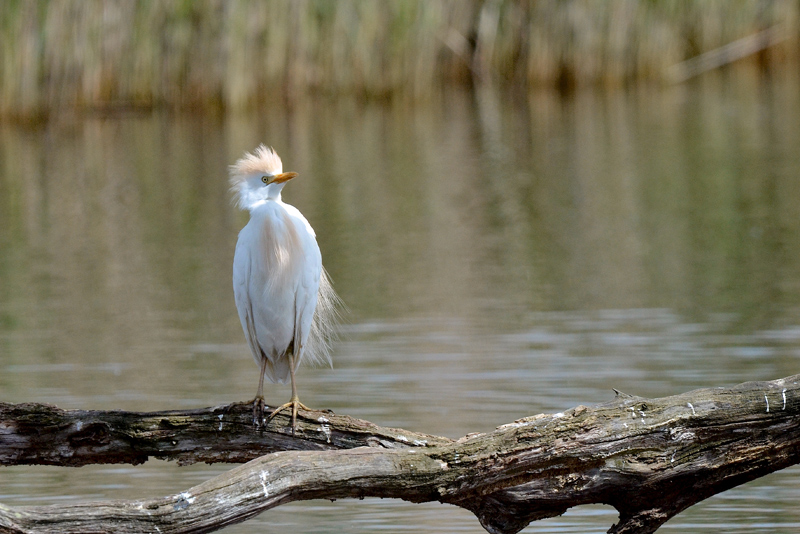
[258, 412]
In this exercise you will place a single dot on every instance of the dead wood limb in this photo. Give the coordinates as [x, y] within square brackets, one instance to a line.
[728, 53]
[43, 434]
[649, 458]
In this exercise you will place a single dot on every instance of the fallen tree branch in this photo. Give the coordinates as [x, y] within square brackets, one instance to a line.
[728, 53]
[649, 458]
[33, 433]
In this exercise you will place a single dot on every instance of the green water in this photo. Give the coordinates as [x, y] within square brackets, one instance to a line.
[501, 255]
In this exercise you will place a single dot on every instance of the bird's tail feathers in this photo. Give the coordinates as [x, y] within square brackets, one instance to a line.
[277, 371]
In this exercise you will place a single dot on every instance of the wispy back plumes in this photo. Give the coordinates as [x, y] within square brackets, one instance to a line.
[325, 327]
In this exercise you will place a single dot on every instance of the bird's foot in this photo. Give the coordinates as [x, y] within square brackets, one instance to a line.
[294, 404]
[258, 412]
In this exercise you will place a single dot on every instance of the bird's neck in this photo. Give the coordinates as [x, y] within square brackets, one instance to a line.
[263, 201]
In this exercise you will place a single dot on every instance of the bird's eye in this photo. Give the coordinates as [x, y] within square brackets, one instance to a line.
[265, 179]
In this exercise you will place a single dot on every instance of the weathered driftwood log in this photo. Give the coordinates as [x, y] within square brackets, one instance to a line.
[44, 434]
[649, 458]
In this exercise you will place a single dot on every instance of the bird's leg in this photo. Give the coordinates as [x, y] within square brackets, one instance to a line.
[294, 403]
[258, 402]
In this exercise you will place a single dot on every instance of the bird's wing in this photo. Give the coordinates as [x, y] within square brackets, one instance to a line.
[306, 290]
[241, 282]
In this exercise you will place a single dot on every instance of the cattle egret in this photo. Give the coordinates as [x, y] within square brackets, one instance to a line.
[285, 300]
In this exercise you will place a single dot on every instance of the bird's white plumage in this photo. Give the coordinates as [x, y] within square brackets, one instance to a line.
[278, 279]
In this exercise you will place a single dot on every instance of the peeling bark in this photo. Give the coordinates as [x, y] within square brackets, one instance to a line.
[649, 458]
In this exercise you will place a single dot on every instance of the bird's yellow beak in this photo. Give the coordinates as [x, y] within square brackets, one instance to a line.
[282, 177]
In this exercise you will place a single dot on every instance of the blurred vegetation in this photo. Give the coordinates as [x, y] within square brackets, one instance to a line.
[235, 54]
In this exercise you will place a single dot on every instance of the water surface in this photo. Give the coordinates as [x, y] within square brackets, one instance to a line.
[501, 255]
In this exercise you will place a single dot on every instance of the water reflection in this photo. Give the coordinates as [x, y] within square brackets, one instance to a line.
[501, 255]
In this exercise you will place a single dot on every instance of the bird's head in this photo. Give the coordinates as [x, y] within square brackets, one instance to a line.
[258, 177]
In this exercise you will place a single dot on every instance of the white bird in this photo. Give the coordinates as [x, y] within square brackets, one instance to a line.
[285, 300]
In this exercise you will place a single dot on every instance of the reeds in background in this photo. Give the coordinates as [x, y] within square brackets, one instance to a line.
[233, 54]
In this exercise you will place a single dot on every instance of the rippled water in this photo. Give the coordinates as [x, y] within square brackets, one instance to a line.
[500, 255]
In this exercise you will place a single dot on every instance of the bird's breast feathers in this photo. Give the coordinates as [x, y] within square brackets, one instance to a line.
[282, 248]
